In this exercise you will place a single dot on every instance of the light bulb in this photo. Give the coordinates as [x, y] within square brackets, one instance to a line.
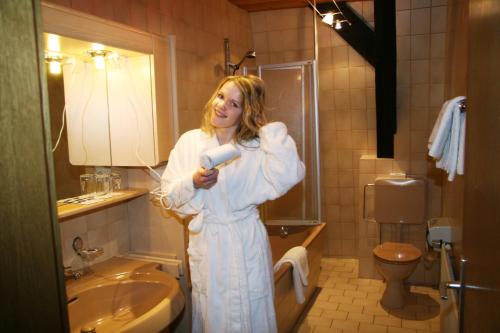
[54, 67]
[97, 47]
[99, 62]
[53, 43]
[338, 25]
[328, 18]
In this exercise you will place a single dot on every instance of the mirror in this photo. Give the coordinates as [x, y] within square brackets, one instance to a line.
[80, 94]
[112, 85]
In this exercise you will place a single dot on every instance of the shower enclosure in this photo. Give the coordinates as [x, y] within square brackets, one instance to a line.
[291, 97]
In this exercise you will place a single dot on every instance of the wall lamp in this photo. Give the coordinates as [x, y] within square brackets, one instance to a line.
[334, 19]
[54, 61]
[99, 57]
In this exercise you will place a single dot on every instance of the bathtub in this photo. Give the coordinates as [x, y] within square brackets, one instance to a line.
[284, 235]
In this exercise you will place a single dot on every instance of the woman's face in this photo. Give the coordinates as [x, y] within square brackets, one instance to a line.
[227, 107]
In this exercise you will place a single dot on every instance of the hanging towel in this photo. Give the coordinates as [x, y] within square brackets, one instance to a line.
[447, 139]
[297, 256]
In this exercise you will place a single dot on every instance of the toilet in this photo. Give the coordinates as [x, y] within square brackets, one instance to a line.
[399, 201]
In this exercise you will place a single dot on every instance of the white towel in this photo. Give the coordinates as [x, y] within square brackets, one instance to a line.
[297, 256]
[213, 157]
[447, 140]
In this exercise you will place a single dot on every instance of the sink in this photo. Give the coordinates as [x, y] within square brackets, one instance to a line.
[123, 295]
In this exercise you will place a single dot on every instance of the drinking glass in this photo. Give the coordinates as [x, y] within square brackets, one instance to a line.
[115, 180]
[87, 184]
[101, 183]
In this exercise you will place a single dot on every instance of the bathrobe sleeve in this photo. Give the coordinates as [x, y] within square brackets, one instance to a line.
[177, 185]
[281, 165]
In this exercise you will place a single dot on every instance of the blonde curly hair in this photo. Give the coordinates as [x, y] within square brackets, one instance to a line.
[253, 103]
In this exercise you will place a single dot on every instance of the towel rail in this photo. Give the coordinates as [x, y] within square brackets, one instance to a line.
[463, 105]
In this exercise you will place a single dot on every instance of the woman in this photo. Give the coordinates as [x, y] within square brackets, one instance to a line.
[229, 253]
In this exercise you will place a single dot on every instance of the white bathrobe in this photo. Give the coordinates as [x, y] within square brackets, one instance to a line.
[229, 253]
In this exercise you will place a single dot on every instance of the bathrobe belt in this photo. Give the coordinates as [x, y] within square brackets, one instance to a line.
[206, 217]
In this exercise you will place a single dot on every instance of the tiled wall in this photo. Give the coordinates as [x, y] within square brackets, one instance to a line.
[347, 107]
[346, 93]
[421, 45]
[200, 28]
[106, 228]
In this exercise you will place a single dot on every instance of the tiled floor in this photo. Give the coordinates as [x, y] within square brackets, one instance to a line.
[348, 304]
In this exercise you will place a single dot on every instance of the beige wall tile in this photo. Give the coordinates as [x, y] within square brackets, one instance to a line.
[438, 19]
[358, 98]
[357, 77]
[404, 72]
[403, 4]
[403, 22]
[403, 44]
[260, 42]
[437, 71]
[341, 78]
[420, 71]
[341, 100]
[325, 60]
[420, 21]
[420, 46]
[438, 45]
[340, 58]
[420, 3]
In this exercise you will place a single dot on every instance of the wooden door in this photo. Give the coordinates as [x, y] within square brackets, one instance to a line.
[31, 278]
[481, 228]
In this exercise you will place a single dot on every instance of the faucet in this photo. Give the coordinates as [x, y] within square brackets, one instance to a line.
[71, 274]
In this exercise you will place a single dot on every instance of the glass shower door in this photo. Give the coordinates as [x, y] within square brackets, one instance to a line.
[290, 91]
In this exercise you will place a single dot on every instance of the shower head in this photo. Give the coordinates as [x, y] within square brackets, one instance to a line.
[235, 67]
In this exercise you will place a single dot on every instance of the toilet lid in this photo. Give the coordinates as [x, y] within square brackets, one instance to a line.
[397, 252]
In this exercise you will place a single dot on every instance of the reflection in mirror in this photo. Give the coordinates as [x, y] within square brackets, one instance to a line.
[81, 96]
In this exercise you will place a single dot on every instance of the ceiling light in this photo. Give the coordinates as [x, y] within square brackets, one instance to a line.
[328, 18]
[333, 19]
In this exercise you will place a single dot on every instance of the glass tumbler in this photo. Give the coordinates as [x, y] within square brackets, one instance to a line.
[87, 184]
[115, 180]
[101, 183]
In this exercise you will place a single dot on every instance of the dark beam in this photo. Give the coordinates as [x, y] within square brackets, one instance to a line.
[379, 49]
[385, 76]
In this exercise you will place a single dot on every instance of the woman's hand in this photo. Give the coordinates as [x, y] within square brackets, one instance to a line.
[203, 178]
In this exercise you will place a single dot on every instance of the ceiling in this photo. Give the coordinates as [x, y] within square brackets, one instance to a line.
[260, 5]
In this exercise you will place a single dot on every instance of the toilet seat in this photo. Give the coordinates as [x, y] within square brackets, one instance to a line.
[397, 253]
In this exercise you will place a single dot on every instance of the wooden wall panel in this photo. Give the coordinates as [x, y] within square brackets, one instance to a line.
[481, 227]
[33, 297]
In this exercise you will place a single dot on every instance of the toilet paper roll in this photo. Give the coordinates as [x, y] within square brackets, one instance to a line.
[213, 157]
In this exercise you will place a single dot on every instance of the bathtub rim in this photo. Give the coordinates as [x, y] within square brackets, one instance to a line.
[317, 228]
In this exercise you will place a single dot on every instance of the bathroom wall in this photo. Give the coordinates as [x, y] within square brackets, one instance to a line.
[200, 28]
[347, 110]
[346, 107]
[421, 44]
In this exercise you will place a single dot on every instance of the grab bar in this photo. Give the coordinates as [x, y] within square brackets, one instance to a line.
[364, 199]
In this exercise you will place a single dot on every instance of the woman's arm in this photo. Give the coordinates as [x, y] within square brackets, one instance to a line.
[281, 165]
[179, 192]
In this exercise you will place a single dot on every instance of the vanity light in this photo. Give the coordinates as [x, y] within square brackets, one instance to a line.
[99, 57]
[54, 61]
[53, 42]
